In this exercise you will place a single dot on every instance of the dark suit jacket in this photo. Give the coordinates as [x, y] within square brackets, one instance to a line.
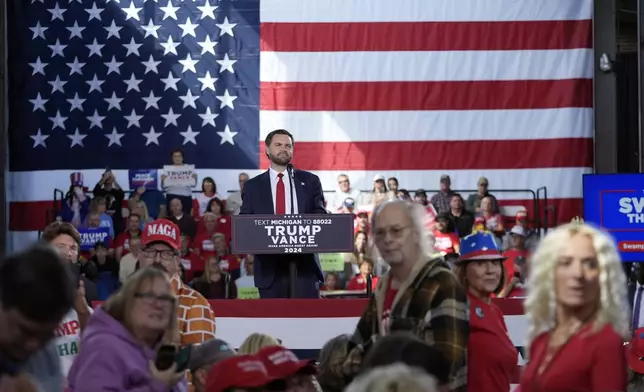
[257, 199]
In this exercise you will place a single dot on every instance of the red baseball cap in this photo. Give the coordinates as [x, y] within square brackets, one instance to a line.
[282, 363]
[162, 230]
[635, 351]
[241, 371]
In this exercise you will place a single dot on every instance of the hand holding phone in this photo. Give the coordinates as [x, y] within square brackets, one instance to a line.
[169, 355]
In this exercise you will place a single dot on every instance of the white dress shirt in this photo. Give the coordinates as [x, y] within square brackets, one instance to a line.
[339, 197]
[287, 190]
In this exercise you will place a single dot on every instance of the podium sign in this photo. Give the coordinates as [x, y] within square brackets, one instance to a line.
[292, 234]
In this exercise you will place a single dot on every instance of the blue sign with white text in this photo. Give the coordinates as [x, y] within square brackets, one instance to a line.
[90, 236]
[615, 202]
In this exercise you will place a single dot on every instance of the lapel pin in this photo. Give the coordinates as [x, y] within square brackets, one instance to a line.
[479, 312]
[302, 183]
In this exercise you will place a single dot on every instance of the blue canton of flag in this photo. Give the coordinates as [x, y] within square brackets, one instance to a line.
[97, 83]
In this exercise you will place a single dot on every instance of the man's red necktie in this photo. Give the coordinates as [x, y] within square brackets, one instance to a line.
[280, 196]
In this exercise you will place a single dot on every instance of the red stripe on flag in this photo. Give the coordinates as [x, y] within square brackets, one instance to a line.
[30, 216]
[465, 95]
[444, 155]
[425, 36]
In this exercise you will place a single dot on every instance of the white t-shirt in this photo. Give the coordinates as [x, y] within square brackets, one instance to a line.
[67, 340]
[204, 200]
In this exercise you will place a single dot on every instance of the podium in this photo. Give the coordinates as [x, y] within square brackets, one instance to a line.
[292, 235]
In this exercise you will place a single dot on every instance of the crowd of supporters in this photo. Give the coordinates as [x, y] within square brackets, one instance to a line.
[203, 217]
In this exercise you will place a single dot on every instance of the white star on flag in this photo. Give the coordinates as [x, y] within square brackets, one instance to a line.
[57, 49]
[75, 67]
[226, 64]
[227, 100]
[39, 103]
[94, 13]
[58, 121]
[132, 83]
[113, 30]
[57, 12]
[207, 82]
[38, 66]
[76, 103]
[39, 31]
[207, 10]
[76, 31]
[188, 64]
[114, 102]
[227, 136]
[133, 120]
[189, 136]
[170, 82]
[151, 65]
[77, 138]
[189, 99]
[94, 48]
[207, 46]
[132, 48]
[39, 139]
[151, 101]
[171, 118]
[114, 66]
[57, 85]
[169, 11]
[208, 118]
[115, 138]
[170, 46]
[96, 120]
[152, 137]
[95, 84]
[226, 28]
[131, 12]
[188, 28]
[151, 29]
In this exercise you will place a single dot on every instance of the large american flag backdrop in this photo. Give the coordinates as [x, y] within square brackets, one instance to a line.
[411, 89]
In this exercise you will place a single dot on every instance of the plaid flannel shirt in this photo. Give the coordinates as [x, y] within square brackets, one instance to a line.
[433, 305]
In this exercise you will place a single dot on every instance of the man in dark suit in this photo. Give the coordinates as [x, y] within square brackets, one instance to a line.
[270, 193]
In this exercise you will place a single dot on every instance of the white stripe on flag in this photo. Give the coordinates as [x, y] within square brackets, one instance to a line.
[425, 66]
[298, 11]
[377, 126]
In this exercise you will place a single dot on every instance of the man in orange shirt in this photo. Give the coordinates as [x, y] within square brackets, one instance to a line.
[161, 240]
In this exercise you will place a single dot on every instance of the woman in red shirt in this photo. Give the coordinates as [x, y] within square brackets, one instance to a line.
[492, 358]
[576, 313]
[359, 282]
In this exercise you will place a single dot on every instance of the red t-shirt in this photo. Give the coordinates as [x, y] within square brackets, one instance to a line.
[123, 240]
[360, 283]
[191, 264]
[492, 358]
[589, 362]
[203, 242]
[390, 295]
[446, 242]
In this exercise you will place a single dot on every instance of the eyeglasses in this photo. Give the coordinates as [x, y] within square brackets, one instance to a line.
[150, 298]
[165, 254]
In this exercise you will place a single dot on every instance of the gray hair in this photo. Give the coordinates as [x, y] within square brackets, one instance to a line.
[419, 218]
[394, 378]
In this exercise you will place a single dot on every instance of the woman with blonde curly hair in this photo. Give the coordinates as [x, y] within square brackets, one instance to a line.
[575, 310]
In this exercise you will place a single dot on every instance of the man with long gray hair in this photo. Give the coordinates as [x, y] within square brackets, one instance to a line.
[418, 294]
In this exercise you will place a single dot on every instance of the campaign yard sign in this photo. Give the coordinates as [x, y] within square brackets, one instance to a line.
[615, 202]
[90, 236]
